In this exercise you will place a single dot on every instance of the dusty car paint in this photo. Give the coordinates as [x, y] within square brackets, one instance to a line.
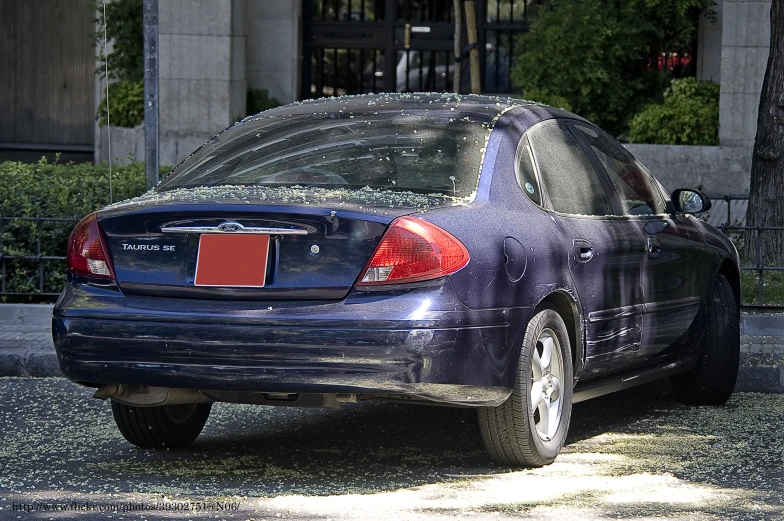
[455, 340]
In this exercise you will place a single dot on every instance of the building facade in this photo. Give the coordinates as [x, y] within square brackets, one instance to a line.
[212, 52]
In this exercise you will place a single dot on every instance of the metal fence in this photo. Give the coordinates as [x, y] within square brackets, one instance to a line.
[32, 250]
[729, 224]
[361, 46]
[32, 260]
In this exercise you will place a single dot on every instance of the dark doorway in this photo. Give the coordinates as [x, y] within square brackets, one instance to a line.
[361, 46]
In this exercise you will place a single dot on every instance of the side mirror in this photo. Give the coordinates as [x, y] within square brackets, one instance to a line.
[686, 200]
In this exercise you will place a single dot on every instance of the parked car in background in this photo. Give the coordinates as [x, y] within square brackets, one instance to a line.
[465, 251]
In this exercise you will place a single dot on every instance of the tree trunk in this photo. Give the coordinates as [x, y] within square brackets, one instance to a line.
[473, 53]
[766, 196]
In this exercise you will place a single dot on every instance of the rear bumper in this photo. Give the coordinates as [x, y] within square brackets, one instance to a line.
[422, 343]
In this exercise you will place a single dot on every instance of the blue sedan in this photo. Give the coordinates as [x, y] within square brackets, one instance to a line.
[466, 251]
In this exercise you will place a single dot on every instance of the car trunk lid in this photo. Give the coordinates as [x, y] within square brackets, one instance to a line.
[312, 253]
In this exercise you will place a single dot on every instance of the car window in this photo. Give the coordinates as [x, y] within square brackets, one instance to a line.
[567, 174]
[526, 176]
[434, 152]
[636, 190]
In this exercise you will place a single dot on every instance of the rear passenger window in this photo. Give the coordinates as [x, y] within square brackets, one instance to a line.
[572, 184]
[526, 176]
[636, 189]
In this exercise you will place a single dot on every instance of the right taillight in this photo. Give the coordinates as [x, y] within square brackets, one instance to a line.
[413, 250]
[87, 253]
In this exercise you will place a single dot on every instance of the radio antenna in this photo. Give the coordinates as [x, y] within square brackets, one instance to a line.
[108, 123]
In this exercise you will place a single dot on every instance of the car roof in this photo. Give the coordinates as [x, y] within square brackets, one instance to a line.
[482, 105]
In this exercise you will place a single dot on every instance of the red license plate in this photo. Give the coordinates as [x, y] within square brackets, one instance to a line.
[232, 260]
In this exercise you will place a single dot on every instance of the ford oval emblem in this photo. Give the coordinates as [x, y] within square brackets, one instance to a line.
[230, 226]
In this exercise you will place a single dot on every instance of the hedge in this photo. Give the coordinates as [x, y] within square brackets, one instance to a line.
[51, 190]
[689, 115]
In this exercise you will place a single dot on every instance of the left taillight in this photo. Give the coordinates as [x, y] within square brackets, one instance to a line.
[87, 254]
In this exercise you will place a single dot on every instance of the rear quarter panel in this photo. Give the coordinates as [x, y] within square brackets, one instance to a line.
[518, 254]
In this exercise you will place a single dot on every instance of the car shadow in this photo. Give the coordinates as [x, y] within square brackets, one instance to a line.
[359, 448]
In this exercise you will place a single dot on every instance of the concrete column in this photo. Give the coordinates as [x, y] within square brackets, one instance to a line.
[273, 29]
[202, 72]
[709, 44]
[744, 56]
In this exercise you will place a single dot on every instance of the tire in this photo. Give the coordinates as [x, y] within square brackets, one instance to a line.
[514, 432]
[713, 380]
[162, 426]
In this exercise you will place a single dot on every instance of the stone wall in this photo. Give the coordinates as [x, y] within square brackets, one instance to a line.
[714, 170]
[127, 144]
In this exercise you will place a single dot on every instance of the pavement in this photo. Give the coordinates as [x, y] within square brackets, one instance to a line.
[26, 347]
[637, 454]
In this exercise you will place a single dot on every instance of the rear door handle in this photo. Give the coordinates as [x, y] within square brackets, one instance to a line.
[654, 247]
[583, 251]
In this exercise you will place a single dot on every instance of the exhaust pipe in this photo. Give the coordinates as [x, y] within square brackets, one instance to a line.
[144, 396]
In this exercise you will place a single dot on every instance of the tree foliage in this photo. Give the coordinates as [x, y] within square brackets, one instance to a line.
[124, 25]
[601, 57]
[689, 115]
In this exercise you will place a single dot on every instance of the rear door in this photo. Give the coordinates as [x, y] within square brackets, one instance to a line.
[605, 253]
[674, 249]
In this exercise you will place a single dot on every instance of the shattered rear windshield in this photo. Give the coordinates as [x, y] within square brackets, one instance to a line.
[429, 152]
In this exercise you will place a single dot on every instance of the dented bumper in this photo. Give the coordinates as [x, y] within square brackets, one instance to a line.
[421, 343]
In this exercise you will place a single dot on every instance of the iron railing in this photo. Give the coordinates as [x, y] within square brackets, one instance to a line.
[28, 257]
[24, 257]
[358, 46]
[728, 224]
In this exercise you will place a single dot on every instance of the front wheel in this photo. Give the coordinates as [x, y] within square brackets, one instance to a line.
[713, 380]
[529, 428]
[162, 426]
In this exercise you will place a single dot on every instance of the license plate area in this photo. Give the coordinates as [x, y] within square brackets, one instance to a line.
[226, 260]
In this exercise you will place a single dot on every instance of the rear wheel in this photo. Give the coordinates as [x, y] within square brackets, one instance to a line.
[529, 428]
[162, 426]
[713, 380]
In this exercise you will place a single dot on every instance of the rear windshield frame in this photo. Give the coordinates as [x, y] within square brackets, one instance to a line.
[410, 138]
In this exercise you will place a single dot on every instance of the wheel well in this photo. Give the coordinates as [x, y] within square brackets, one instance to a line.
[567, 308]
[731, 272]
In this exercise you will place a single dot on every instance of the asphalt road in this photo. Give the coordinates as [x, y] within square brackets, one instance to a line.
[636, 455]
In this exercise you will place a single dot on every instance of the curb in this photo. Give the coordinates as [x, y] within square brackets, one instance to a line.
[760, 380]
[762, 325]
[25, 316]
[26, 341]
[29, 362]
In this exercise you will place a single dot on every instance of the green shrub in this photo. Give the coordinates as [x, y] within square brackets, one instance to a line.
[49, 190]
[688, 116]
[126, 102]
[258, 100]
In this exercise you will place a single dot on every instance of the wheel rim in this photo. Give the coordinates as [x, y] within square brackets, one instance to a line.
[546, 384]
[181, 413]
